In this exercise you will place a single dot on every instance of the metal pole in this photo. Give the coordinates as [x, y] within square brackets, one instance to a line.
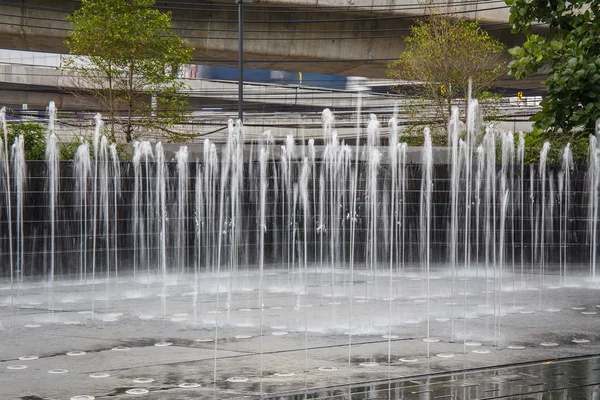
[240, 59]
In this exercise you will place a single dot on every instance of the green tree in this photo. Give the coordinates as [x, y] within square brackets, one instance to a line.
[570, 52]
[34, 139]
[131, 55]
[442, 53]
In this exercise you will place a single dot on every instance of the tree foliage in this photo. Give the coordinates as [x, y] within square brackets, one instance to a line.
[131, 55]
[442, 53]
[534, 141]
[570, 52]
[34, 139]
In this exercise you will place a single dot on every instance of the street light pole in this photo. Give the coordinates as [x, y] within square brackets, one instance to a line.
[240, 4]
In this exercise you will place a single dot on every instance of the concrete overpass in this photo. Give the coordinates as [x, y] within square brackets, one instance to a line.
[37, 86]
[344, 37]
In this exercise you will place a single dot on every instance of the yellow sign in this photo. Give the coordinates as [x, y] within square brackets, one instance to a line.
[443, 89]
[519, 96]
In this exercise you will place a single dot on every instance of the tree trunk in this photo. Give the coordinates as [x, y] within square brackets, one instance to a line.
[111, 104]
[130, 94]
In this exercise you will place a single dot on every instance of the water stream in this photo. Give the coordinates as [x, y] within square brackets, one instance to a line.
[316, 236]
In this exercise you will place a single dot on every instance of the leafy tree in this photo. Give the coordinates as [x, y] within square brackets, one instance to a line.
[570, 52]
[131, 55]
[442, 53]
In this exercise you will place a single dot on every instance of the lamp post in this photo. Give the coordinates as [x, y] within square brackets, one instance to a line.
[240, 4]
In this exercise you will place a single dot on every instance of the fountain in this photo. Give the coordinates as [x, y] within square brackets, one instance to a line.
[260, 269]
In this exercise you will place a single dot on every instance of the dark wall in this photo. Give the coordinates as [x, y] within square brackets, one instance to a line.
[206, 233]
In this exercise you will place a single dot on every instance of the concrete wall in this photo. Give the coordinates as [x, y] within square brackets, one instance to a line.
[356, 37]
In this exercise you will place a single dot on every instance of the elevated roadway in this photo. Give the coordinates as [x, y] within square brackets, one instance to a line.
[343, 37]
[280, 109]
[37, 86]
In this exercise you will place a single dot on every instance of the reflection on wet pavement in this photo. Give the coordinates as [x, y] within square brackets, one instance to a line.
[565, 379]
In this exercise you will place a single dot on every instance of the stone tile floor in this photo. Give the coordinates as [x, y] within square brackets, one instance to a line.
[485, 343]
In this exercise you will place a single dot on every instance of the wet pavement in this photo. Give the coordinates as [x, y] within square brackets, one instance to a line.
[147, 340]
[577, 378]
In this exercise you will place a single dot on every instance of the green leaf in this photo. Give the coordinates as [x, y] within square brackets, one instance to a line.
[517, 51]
[447, 51]
[568, 53]
[132, 52]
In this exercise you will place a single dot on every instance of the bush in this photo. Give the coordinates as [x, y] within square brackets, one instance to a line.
[68, 150]
[536, 139]
[34, 139]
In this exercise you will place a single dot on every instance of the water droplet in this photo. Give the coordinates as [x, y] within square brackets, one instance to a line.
[237, 379]
[243, 336]
[143, 380]
[189, 385]
[137, 391]
[409, 360]
[369, 364]
[28, 358]
[580, 341]
[327, 369]
[284, 374]
[98, 375]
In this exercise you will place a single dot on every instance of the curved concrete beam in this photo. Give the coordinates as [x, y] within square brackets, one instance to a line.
[343, 37]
